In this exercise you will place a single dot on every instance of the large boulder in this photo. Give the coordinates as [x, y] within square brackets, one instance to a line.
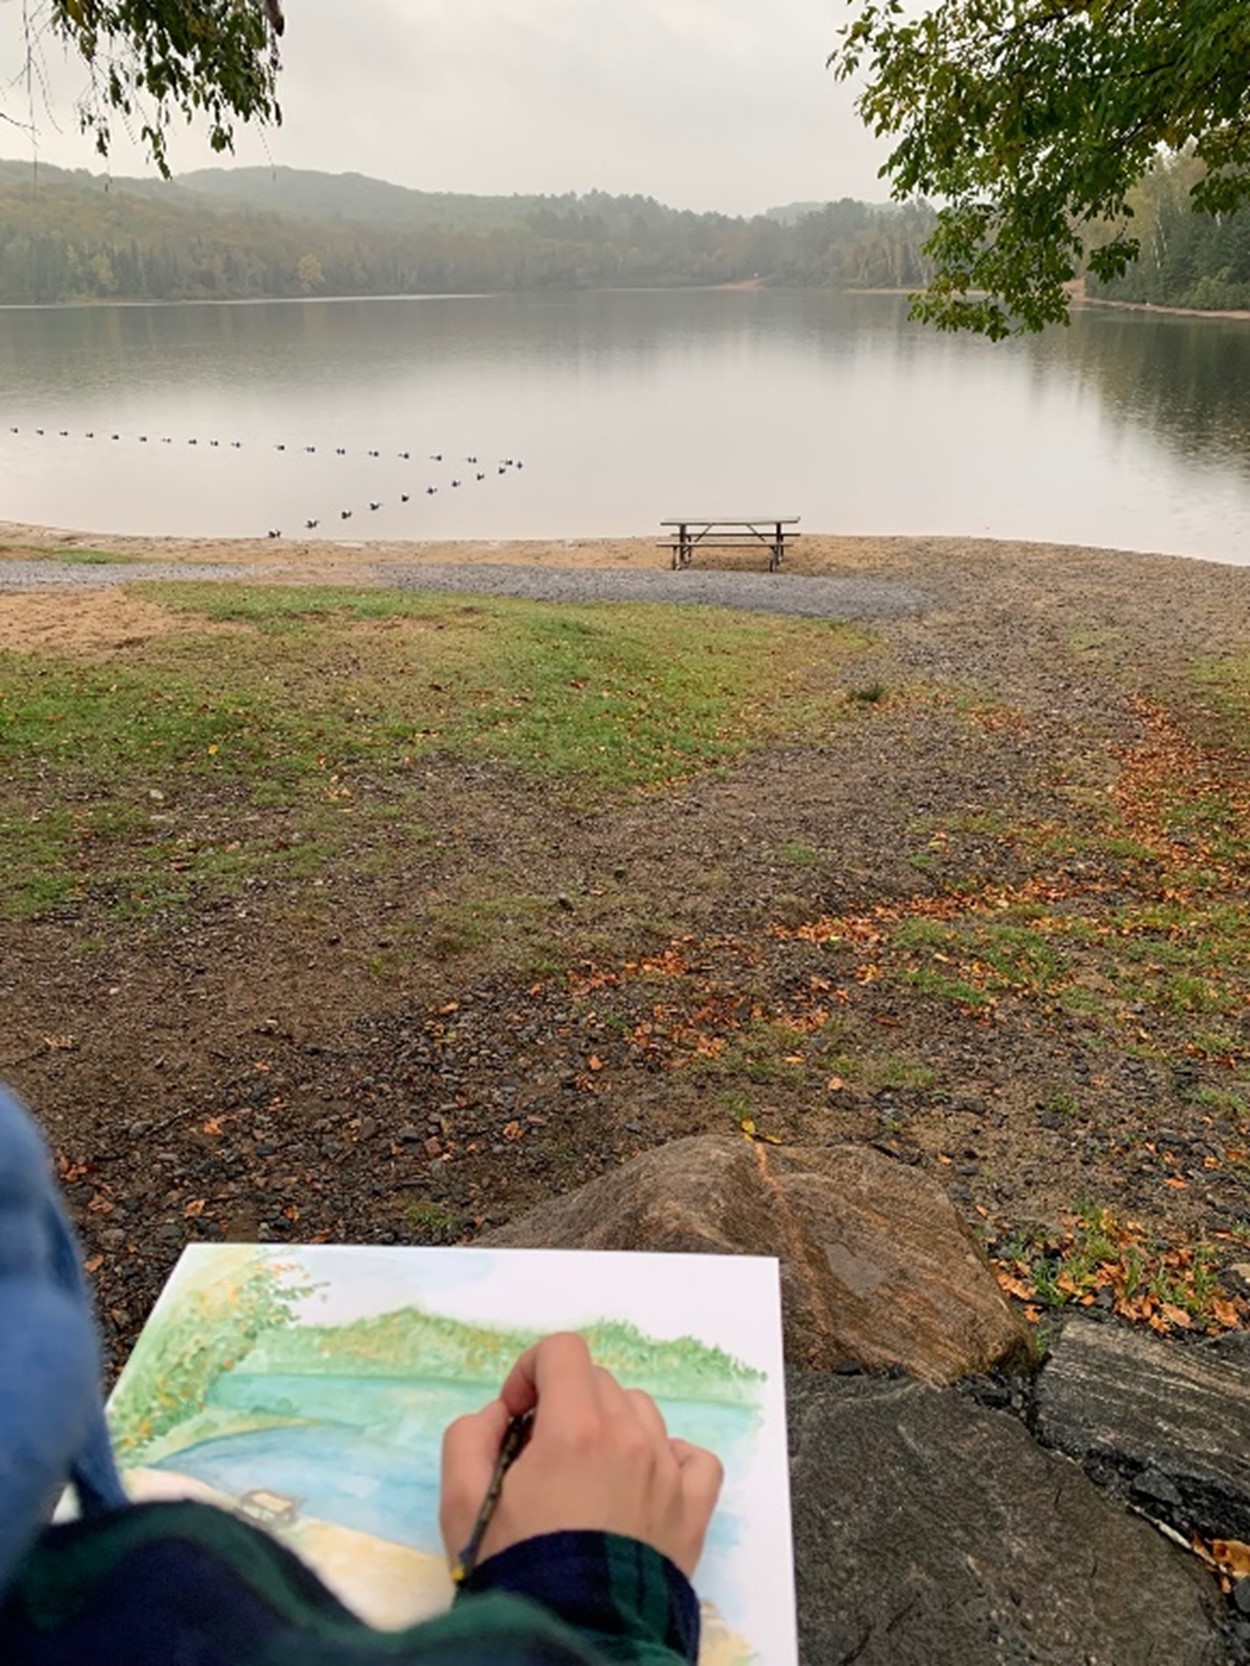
[1165, 1424]
[929, 1529]
[877, 1268]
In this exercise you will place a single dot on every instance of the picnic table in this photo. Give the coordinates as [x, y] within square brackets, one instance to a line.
[733, 533]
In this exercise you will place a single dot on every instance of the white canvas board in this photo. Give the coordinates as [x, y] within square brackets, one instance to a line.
[308, 1388]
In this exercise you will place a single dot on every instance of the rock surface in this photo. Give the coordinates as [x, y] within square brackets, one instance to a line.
[930, 1530]
[877, 1268]
[1166, 1425]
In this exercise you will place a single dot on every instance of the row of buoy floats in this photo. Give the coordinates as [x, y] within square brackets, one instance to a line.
[481, 470]
[503, 464]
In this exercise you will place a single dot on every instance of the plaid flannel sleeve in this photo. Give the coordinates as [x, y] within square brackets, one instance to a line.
[632, 1605]
[181, 1582]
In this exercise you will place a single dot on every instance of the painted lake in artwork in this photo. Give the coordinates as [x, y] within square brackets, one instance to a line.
[368, 1456]
[407, 418]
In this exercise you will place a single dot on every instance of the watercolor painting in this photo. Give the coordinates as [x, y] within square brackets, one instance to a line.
[307, 1389]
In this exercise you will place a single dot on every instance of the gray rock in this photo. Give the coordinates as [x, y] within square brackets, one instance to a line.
[1138, 1411]
[877, 1268]
[928, 1530]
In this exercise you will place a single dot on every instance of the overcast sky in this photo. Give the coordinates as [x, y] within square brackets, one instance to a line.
[722, 104]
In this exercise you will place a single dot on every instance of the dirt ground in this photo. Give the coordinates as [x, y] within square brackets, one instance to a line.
[251, 1070]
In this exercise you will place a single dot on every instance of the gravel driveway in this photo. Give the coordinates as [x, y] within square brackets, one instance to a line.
[809, 597]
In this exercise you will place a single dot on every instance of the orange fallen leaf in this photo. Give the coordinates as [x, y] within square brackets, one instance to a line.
[1177, 1183]
[1015, 1286]
[94, 1264]
[195, 1208]
[1233, 1557]
[513, 1131]
[594, 1062]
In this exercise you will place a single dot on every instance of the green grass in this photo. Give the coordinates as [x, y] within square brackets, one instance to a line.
[327, 703]
[76, 557]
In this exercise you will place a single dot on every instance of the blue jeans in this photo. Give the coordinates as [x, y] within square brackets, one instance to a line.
[52, 1428]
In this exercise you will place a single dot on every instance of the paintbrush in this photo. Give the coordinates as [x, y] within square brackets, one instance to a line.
[515, 1437]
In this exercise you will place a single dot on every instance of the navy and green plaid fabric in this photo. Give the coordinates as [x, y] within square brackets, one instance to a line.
[192, 1585]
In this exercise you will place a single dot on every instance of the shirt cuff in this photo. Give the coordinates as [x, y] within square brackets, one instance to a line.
[620, 1592]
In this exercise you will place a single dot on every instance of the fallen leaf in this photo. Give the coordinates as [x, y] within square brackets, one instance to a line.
[594, 1062]
[1015, 1286]
[1233, 1557]
[195, 1208]
[1176, 1316]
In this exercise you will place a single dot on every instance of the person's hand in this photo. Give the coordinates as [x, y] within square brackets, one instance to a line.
[599, 1458]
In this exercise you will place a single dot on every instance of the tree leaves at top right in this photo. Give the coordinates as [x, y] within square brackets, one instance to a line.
[1029, 121]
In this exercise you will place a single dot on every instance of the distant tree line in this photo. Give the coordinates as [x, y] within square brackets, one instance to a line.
[1187, 259]
[65, 238]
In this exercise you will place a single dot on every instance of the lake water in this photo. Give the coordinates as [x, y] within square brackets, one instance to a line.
[1129, 430]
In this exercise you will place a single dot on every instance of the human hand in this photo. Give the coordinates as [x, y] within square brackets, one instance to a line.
[599, 1458]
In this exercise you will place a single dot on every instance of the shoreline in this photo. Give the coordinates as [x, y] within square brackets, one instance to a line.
[362, 561]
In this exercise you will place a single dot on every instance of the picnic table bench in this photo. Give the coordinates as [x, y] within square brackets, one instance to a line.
[750, 532]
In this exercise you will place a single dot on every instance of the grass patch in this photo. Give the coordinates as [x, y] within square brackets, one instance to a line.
[176, 759]
[91, 558]
[1096, 1258]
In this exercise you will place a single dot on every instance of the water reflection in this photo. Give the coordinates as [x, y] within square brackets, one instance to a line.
[1128, 429]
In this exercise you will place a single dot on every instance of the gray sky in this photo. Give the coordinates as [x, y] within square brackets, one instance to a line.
[704, 104]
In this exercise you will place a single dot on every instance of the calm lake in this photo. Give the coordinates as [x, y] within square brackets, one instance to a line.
[623, 408]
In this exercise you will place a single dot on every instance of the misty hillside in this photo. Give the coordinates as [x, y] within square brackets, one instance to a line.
[250, 233]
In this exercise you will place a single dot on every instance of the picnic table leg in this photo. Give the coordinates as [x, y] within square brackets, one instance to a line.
[686, 548]
[779, 549]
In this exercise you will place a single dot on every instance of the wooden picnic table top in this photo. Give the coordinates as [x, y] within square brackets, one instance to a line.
[734, 520]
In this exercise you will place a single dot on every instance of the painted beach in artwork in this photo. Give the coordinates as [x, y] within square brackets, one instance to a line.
[308, 1389]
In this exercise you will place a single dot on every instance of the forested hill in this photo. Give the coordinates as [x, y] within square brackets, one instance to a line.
[234, 234]
[1187, 259]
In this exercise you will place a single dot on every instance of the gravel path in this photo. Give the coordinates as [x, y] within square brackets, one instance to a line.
[852, 597]
[87, 575]
[812, 598]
